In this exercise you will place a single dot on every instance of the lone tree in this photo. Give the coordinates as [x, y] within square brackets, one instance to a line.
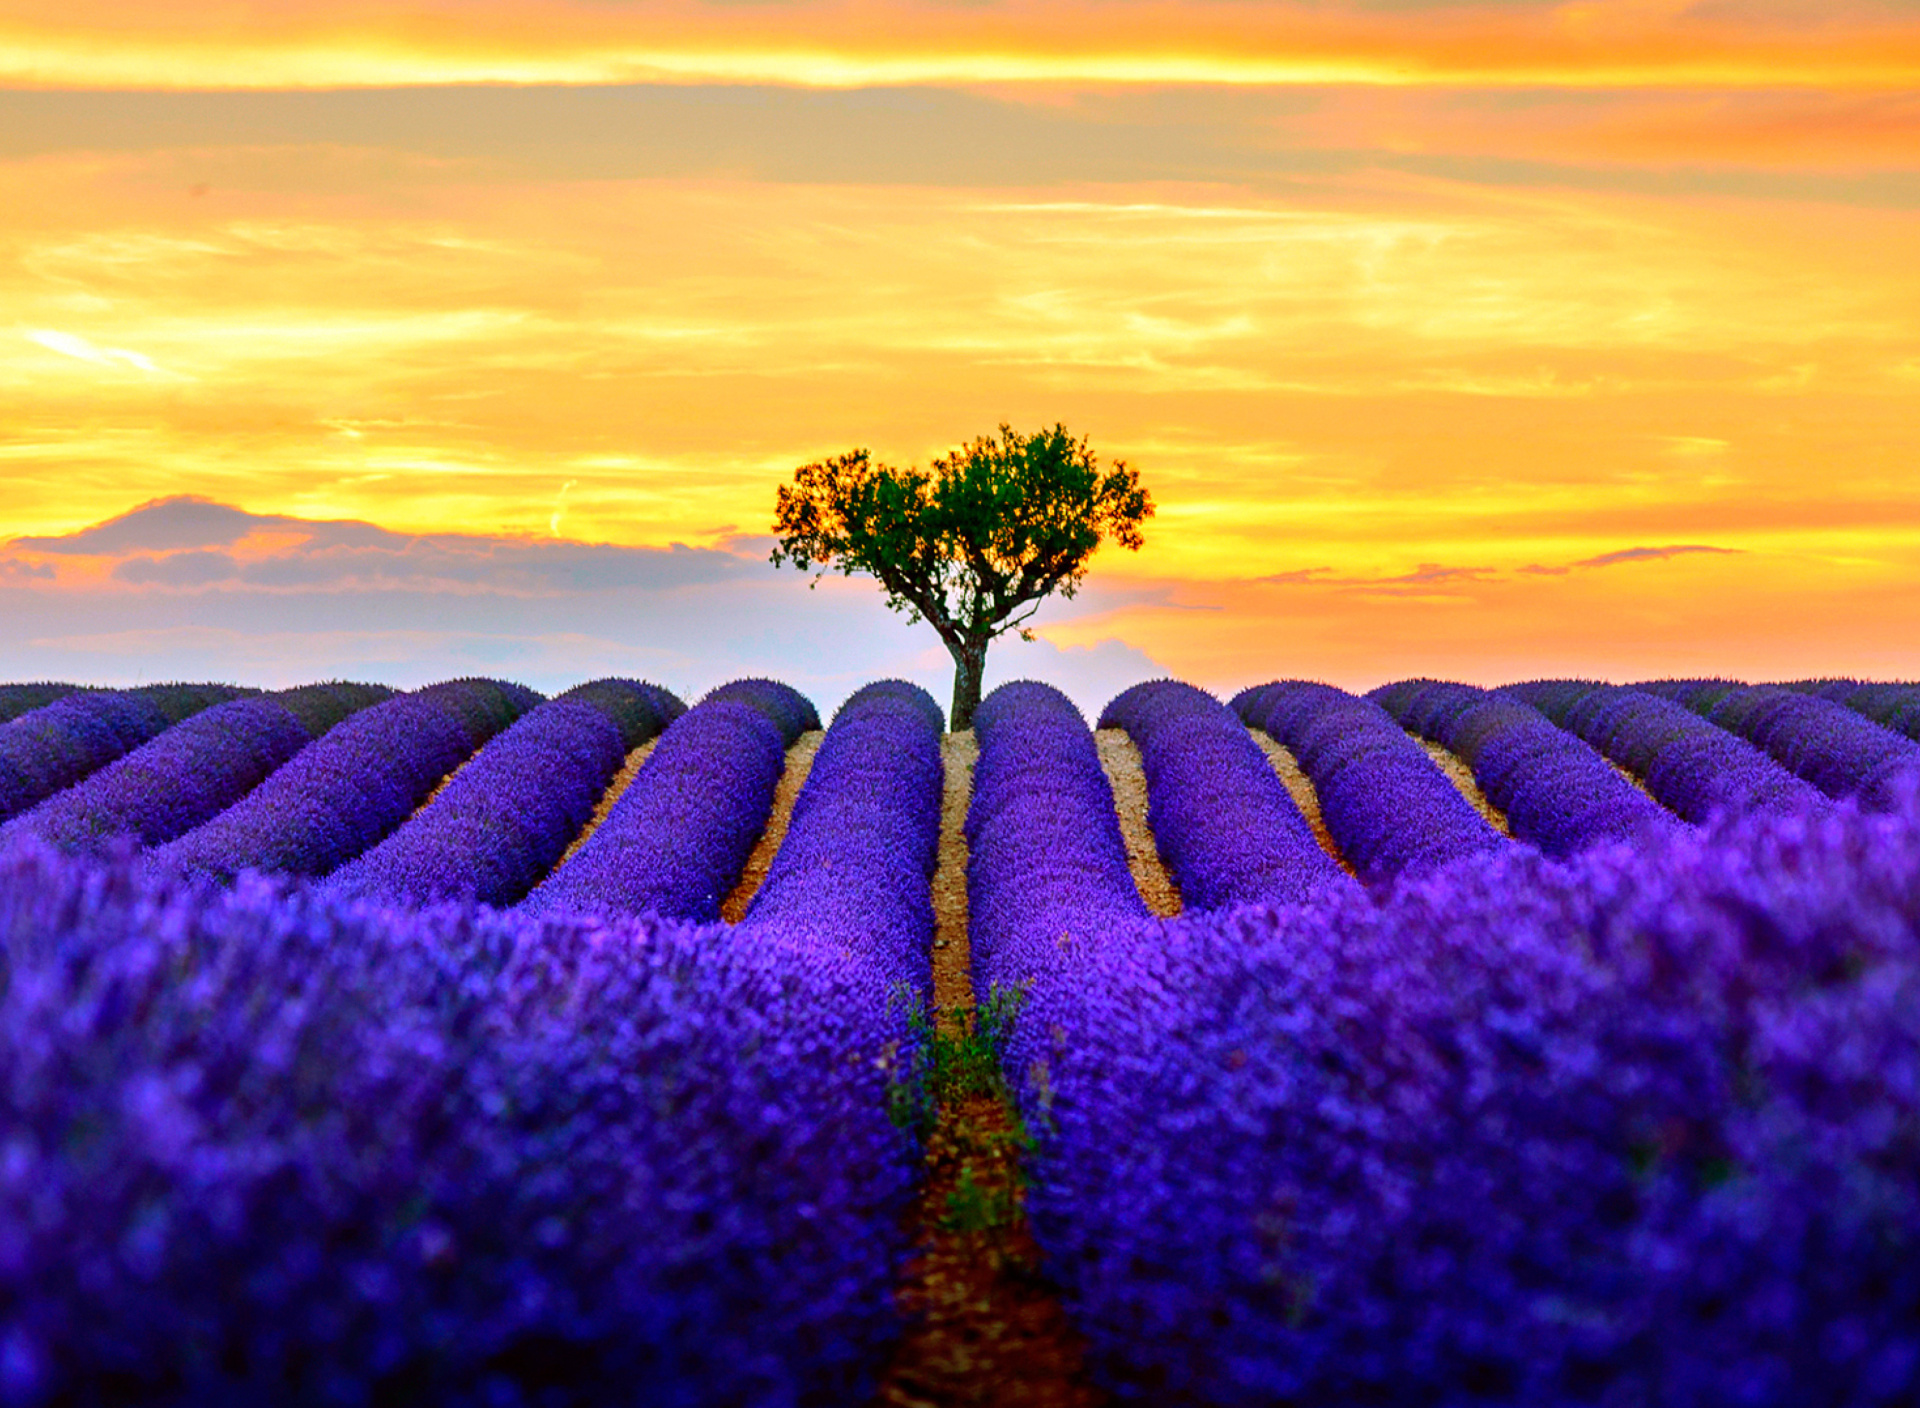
[971, 545]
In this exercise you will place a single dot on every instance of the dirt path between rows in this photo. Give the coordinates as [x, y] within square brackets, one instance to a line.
[1120, 758]
[1461, 776]
[792, 778]
[1300, 788]
[984, 1327]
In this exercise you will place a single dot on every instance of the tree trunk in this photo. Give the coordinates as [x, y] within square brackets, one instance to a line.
[969, 664]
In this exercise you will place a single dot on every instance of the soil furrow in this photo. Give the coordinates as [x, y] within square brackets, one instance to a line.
[792, 778]
[1461, 776]
[1300, 787]
[984, 1327]
[1120, 758]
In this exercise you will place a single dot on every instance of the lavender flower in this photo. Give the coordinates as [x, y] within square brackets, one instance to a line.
[639, 709]
[1556, 791]
[344, 793]
[1388, 808]
[1835, 749]
[18, 699]
[498, 827]
[58, 744]
[1689, 765]
[854, 867]
[678, 838]
[265, 1148]
[1638, 1129]
[1897, 706]
[191, 772]
[1046, 864]
[1223, 820]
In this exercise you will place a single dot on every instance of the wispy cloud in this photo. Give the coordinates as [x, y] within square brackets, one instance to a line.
[848, 43]
[69, 344]
[195, 589]
[1611, 559]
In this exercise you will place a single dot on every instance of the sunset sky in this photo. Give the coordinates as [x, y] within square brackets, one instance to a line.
[1487, 341]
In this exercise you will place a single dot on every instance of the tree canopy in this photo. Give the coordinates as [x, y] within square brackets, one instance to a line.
[974, 543]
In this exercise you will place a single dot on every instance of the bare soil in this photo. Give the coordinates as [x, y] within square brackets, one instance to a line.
[792, 778]
[1121, 760]
[1300, 787]
[984, 1326]
[1461, 776]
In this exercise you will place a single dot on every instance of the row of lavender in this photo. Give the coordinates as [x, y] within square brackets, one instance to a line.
[1053, 904]
[507, 819]
[272, 1143]
[1641, 1126]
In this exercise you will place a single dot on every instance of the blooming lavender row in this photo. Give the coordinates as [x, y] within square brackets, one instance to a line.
[267, 1148]
[855, 866]
[1634, 1129]
[641, 710]
[1698, 695]
[18, 699]
[193, 771]
[58, 744]
[498, 827]
[345, 792]
[675, 842]
[790, 711]
[1223, 820]
[1557, 792]
[1046, 865]
[1691, 766]
[1388, 808]
[1842, 753]
[1895, 705]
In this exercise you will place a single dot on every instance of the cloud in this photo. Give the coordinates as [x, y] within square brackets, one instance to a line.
[1434, 574]
[1423, 577]
[195, 543]
[1611, 559]
[189, 588]
[317, 44]
[160, 525]
[181, 569]
[72, 345]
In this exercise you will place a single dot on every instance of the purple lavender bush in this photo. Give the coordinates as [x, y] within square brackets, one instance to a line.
[192, 771]
[1640, 1128]
[1691, 766]
[1832, 747]
[345, 792]
[1895, 705]
[498, 827]
[1222, 819]
[789, 710]
[1698, 695]
[1557, 793]
[1046, 864]
[677, 840]
[18, 699]
[1388, 808]
[855, 867]
[640, 710]
[58, 744]
[262, 1147]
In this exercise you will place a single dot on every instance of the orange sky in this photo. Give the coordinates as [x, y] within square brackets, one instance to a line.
[1433, 328]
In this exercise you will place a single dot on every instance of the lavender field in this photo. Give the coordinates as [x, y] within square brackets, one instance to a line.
[1554, 1044]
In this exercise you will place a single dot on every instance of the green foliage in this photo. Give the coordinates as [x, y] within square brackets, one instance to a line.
[974, 1207]
[972, 544]
[949, 1068]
